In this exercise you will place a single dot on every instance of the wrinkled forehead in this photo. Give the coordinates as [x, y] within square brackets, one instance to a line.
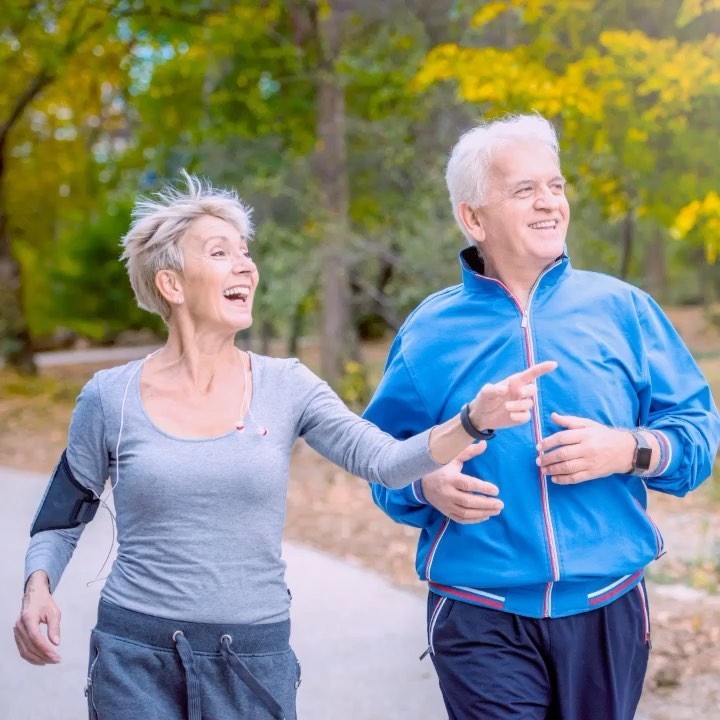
[518, 160]
[208, 228]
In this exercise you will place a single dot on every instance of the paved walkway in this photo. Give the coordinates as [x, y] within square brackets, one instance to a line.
[357, 636]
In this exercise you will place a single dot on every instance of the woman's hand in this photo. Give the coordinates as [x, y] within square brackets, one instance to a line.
[38, 608]
[463, 498]
[497, 405]
[509, 401]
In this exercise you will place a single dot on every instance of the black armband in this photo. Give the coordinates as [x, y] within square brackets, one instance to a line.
[66, 503]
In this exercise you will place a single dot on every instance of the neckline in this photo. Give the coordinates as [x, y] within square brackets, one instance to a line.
[475, 281]
[179, 438]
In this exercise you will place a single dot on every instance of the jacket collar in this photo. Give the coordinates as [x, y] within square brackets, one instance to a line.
[475, 281]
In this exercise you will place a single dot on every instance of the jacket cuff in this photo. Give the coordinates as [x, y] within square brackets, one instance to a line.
[416, 489]
[670, 452]
[53, 577]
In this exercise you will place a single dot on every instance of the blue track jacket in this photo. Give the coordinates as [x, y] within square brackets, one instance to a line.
[554, 550]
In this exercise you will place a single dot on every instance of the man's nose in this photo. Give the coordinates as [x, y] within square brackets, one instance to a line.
[546, 199]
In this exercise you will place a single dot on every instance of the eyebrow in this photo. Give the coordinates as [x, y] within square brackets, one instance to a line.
[222, 238]
[520, 183]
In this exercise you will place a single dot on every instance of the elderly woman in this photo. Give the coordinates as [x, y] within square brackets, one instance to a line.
[196, 439]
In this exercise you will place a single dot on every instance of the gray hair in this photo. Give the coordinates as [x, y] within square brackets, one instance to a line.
[469, 164]
[159, 223]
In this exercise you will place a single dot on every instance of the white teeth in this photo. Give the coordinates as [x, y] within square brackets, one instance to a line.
[241, 291]
[543, 224]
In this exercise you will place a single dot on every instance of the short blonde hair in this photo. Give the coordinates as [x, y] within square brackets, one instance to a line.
[159, 223]
[470, 160]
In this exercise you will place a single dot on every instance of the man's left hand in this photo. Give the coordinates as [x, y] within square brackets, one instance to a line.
[585, 450]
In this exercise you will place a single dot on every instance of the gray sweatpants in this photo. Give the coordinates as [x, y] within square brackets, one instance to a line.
[147, 667]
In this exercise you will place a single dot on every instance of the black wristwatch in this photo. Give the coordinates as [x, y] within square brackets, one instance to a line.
[470, 429]
[642, 455]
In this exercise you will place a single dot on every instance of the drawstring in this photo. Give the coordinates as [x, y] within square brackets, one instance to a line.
[191, 675]
[242, 671]
[192, 678]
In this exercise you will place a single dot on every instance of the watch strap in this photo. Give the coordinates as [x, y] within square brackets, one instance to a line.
[470, 429]
[642, 457]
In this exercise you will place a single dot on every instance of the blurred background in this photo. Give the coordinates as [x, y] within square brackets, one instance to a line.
[334, 119]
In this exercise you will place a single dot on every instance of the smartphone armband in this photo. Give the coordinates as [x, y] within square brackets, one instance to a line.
[66, 503]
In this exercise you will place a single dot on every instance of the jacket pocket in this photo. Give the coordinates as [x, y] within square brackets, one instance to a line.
[434, 547]
[640, 589]
[439, 613]
[298, 671]
[660, 542]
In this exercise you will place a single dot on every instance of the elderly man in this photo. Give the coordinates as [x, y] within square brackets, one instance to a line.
[537, 606]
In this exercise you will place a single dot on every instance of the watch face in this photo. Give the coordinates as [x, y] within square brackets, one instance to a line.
[642, 460]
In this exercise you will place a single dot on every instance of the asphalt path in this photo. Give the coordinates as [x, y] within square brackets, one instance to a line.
[358, 637]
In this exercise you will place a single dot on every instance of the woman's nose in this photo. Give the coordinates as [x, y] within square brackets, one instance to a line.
[243, 264]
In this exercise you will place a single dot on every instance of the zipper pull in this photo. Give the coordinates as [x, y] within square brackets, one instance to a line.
[524, 321]
[426, 653]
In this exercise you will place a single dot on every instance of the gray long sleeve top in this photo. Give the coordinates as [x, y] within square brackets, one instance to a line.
[200, 522]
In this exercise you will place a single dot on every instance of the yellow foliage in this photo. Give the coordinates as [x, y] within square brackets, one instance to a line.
[693, 9]
[324, 9]
[488, 13]
[636, 135]
[440, 64]
[620, 94]
[509, 80]
[668, 73]
[701, 218]
[354, 388]
[703, 579]
[537, 10]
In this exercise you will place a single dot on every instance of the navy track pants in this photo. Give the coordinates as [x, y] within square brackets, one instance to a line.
[494, 665]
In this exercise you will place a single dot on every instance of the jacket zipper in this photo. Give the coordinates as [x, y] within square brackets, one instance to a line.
[549, 530]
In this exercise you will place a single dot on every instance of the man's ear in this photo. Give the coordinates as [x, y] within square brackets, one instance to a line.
[471, 221]
[169, 283]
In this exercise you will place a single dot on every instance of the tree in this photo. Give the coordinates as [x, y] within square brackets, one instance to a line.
[62, 115]
[635, 89]
[44, 44]
[332, 175]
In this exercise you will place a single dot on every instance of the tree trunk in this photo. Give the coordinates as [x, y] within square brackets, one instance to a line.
[435, 18]
[295, 326]
[15, 342]
[296, 323]
[330, 164]
[265, 337]
[628, 236]
[656, 267]
[708, 279]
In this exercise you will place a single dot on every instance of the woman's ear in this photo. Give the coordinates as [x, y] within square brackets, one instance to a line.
[169, 284]
[471, 221]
